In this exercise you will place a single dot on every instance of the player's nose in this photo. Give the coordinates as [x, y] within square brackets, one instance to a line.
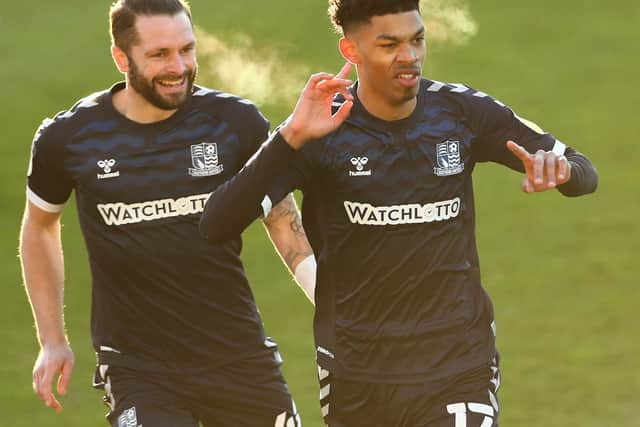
[176, 64]
[407, 54]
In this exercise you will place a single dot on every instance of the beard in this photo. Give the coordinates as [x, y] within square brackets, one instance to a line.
[148, 91]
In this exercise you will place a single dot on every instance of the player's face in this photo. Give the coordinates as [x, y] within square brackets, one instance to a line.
[162, 65]
[389, 52]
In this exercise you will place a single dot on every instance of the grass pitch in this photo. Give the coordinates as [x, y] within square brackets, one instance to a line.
[563, 273]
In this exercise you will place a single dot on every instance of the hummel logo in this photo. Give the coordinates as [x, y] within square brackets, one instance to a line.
[360, 163]
[107, 167]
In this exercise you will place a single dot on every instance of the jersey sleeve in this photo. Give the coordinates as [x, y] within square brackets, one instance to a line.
[255, 127]
[496, 124]
[48, 184]
[272, 173]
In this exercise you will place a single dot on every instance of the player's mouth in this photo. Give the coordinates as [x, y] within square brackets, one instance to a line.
[408, 78]
[172, 84]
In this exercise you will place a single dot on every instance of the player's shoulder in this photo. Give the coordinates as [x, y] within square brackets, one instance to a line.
[223, 103]
[458, 93]
[64, 124]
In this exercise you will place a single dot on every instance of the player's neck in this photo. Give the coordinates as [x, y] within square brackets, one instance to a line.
[134, 107]
[378, 107]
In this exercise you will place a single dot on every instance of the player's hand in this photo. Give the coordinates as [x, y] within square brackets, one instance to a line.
[544, 169]
[54, 362]
[312, 116]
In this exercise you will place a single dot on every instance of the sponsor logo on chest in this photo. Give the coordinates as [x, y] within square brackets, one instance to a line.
[119, 213]
[412, 213]
[204, 158]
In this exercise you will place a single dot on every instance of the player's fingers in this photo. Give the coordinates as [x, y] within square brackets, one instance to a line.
[54, 404]
[344, 71]
[563, 166]
[65, 377]
[519, 151]
[527, 186]
[44, 385]
[550, 166]
[538, 167]
[346, 93]
[329, 85]
[329, 90]
[43, 390]
[343, 112]
[317, 78]
[35, 381]
[525, 157]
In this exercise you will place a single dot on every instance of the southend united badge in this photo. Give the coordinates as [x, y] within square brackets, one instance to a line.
[128, 418]
[204, 158]
[448, 159]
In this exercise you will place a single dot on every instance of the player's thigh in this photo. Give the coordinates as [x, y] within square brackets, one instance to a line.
[250, 417]
[471, 401]
[464, 414]
[250, 392]
[136, 399]
[346, 403]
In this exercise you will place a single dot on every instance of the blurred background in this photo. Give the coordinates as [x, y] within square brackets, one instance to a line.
[563, 273]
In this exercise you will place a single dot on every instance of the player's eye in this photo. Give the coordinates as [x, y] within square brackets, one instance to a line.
[388, 45]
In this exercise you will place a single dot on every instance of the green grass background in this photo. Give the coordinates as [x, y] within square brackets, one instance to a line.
[563, 273]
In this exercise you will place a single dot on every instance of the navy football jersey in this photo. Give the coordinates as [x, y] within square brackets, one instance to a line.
[388, 208]
[160, 291]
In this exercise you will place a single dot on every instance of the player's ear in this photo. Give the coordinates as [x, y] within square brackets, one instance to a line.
[349, 50]
[120, 58]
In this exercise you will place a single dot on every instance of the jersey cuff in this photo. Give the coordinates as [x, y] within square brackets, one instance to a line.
[43, 204]
[559, 148]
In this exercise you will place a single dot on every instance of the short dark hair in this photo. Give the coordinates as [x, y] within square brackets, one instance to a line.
[344, 14]
[123, 14]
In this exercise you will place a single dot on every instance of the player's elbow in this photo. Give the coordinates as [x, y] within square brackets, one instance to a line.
[593, 182]
[211, 228]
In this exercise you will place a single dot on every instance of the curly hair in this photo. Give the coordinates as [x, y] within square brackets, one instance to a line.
[123, 13]
[344, 14]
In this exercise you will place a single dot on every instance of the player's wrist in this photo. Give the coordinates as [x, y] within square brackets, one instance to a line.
[53, 341]
[305, 274]
[292, 136]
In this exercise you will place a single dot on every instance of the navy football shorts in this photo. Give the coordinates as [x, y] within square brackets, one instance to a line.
[246, 393]
[466, 400]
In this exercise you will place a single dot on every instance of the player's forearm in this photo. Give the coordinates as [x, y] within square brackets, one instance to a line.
[234, 205]
[43, 273]
[285, 229]
[584, 177]
[284, 226]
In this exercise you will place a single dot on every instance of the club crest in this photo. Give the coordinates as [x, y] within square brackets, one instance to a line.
[204, 158]
[448, 159]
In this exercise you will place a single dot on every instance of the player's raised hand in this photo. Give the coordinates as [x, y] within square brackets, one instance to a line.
[53, 361]
[312, 116]
[544, 169]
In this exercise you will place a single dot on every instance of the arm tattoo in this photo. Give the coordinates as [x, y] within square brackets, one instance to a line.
[292, 250]
[287, 208]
